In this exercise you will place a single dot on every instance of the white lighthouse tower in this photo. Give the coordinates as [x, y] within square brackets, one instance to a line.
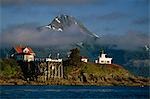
[102, 59]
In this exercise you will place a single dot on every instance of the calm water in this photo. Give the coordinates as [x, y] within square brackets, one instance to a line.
[12, 92]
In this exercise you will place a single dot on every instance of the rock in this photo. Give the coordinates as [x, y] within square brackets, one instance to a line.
[83, 77]
[92, 78]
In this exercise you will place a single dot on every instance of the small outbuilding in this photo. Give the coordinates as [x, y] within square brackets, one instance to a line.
[84, 59]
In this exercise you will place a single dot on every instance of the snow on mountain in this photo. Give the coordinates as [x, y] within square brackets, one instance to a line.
[63, 22]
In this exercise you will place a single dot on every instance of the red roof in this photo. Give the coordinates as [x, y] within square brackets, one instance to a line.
[19, 49]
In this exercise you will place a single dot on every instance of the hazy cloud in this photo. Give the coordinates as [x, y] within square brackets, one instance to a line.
[112, 16]
[49, 2]
[129, 40]
[29, 35]
[141, 21]
[109, 29]
[141, 2]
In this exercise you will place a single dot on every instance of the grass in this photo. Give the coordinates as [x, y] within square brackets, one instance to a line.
[99, 70]
[104, 70]
[8, 68]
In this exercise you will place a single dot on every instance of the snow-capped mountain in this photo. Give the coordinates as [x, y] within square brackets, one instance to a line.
[63, 22]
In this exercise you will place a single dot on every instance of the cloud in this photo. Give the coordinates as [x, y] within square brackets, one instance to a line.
[141, 2]
[30, 35]
[47, 2]
[109, 29]
[141, 21]
[129, 41]
[112, 16]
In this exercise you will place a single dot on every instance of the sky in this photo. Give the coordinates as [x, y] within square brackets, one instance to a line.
[103, 17]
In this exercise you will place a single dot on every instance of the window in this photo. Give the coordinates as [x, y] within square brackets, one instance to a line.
[26, 50]
[108, 62]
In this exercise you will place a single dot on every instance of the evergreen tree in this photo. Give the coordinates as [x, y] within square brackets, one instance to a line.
[74, 57]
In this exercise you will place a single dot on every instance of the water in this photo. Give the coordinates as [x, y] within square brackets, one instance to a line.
[50, 92]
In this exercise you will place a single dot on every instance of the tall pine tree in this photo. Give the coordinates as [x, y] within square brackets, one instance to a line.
[74, 57]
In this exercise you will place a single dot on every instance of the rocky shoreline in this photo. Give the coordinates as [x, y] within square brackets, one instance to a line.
[104, 82]
[84, 74]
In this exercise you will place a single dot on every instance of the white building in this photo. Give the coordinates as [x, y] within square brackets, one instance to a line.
[53, 60]
[84, 59]
[22, 53]
[49, 59]
[103, 59]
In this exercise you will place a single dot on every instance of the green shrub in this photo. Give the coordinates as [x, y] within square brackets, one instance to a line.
[9, 68]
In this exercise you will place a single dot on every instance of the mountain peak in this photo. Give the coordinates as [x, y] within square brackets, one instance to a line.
[61, 22]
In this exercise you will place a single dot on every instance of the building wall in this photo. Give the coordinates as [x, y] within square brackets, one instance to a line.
[50, 70]
[105, 60]
[84, 60]
[19, 57]
[28, 58]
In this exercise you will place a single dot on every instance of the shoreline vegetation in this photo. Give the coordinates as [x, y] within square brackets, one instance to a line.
[75, 73]
[126, 82]
[86, 74]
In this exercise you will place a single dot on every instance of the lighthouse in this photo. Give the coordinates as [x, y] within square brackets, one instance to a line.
[102, 59]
